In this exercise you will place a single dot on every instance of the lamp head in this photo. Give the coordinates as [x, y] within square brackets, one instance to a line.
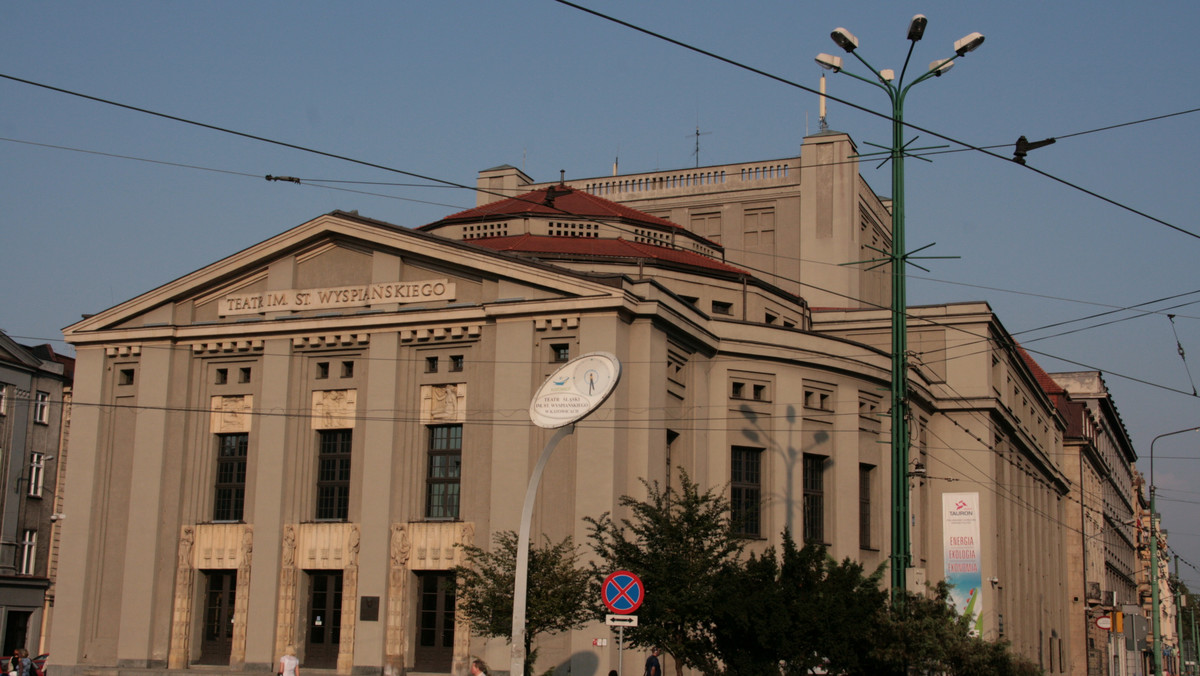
[940, 67]
[829, 62]
[968, 44]
[844, 39]
[887, 75]
[916, 27]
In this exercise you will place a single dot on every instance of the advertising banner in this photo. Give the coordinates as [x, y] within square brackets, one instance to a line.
[963, 555]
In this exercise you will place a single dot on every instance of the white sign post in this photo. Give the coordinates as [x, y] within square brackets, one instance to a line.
[569, 395]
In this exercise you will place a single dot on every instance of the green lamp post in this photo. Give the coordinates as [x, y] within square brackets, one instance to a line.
[896, 90]
[1156, 621]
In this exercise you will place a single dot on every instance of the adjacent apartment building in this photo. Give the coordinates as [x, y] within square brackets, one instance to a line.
[285, 447]
[34, 386]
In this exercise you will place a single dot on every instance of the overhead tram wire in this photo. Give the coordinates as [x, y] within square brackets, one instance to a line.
[869, 111]
[313, 182]
[478, 189]
[316, 183]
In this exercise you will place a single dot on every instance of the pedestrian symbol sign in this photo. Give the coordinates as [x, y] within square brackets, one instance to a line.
[622, 592]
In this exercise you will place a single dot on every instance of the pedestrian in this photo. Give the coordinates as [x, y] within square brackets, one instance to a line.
[479, 667]
[24, 664]
[289, 664]
[653, 668]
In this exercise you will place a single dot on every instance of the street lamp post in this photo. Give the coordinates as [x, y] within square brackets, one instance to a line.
[1155, 621]
[898, 257]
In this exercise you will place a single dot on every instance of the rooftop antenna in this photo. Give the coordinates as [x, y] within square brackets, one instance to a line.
[697, 151]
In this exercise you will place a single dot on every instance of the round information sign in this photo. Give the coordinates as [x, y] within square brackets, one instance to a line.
[574, 390]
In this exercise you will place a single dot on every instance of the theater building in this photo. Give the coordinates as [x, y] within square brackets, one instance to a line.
[285, 447]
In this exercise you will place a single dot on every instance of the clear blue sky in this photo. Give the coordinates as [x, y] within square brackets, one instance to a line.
[444, 89]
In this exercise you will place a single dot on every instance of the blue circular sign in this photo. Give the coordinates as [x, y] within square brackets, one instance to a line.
[622, 592]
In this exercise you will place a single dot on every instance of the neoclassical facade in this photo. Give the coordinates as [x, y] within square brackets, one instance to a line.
[286, 447]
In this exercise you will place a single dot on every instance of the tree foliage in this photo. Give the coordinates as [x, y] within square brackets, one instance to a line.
[797, 613]
[681, 544]
[560, 594]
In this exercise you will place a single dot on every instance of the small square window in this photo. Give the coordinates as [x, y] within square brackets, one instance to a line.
[760, 393]
[347, 369]
[738, 391]
[125, 377]
[431, 364]
[222, 376]
[456, 362]
[722, 308]
[560, 352]
[244, 374]
[322, 370]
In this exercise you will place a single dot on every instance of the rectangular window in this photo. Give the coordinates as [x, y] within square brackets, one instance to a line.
[722, 308]
[431, 364]
[230, 489]
[3, 399]
[864, 506]
[347, 369]
[814, 498]
[36, 462]
[745, 490]
[322, 370]
[456, 362]
[125, 377]
[737, 390]
[333, 475]
[41, 408]
[818, 399]
[221, 376]
[560, 352]
[244, 374]
[445, 472]
[28, 553]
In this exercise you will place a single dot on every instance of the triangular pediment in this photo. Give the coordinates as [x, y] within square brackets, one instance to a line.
[13, 352]
[342, 264]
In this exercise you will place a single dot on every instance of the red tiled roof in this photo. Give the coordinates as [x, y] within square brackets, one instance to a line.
[567, 201]
[1043, 378]
[601, 248]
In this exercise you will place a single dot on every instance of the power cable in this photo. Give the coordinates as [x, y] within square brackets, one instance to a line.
[864, 109]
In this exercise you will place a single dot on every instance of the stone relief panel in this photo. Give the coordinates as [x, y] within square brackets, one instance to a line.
[241, 604]
[422, 546]
[334, 409]
[181, 618]
[443, 403]
[285, 623]
[231, 414]
[400, 548]
[319, 546]
[210, 547]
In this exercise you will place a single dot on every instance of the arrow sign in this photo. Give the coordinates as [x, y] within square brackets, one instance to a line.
[621, 620]
[622, 592]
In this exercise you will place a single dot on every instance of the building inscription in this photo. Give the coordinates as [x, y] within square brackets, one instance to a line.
[285, 300]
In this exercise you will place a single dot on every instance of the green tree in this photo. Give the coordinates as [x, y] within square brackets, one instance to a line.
[559, 598]
[798, 613]
[681, 544]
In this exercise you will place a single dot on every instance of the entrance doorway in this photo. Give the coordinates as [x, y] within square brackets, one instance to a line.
[435, 632]
[324, 619]
[16, 631]
[217, 640]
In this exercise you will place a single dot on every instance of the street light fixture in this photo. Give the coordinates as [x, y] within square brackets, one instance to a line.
[1155, 622]
[896, 90]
